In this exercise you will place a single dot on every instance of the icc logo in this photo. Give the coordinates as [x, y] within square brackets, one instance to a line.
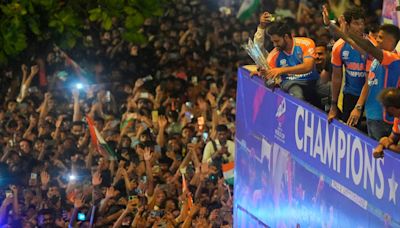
[280, 119]
[281, 110]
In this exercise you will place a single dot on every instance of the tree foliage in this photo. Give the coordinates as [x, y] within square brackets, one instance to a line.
[31, 23]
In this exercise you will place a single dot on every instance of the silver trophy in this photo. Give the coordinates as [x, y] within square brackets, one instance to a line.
[259, 56]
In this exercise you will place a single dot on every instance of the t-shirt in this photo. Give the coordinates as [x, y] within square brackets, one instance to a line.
[355, 63]
[302, 48]
[382, 75]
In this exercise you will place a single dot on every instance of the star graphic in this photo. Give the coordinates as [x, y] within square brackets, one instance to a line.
[393, 188]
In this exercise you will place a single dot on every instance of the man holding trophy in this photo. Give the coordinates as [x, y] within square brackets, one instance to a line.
[291, 63]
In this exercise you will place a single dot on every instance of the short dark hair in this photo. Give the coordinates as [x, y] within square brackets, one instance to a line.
[321, 44]
[222, 128]
[393, 30]
[280, 29]
[354, 13]
[390, 97]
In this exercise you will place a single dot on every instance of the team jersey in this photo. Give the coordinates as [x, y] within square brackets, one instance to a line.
[302, 48]
[356, 66]
[382, 75]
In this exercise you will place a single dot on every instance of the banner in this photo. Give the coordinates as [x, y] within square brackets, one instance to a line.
[389, 13]
[294, 169]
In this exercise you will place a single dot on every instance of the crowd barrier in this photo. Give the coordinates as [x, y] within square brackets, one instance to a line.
[293, 169]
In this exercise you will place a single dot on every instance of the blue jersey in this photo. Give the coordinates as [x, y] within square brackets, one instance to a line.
[382, 75]
[302, 48]
[343, 54]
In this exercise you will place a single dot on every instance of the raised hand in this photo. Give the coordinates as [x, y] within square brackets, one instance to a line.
[14, 189]
[79, 201]
[162, 122]
[139, 83]
[343, 24]
[96, 179]
[75, 94]
[24, 69]
[211, 99]
[265, 18]
[110, 193]
[147, 154]
[325, 15]
[59, 121]
[34, 69]
[44, 178]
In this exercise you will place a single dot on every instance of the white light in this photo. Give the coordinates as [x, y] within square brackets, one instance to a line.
[72, 177]
[79, 85]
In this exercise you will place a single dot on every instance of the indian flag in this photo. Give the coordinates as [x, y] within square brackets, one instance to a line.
[99, 142]
[247, 9]
[185, 190]
[228, 171]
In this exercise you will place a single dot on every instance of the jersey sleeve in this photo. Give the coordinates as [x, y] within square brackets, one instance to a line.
[336, 53]
[272, 58]
[389, 57]
[395, 128]
[307, 46]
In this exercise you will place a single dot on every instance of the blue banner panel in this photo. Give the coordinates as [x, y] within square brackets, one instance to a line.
[293, 169]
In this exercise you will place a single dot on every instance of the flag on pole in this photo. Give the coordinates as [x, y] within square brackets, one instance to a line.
[247, 9]
[228, 171]
[99, 142]
[186, 191]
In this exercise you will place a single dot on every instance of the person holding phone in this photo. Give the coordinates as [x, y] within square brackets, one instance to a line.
[221, 150]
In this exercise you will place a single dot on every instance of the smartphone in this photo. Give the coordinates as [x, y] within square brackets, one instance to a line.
[200, 121]
[33, 176]
[189, 116]
[144, 125]
[132, 197]
[183, 170]
[157, 148]
[144, 179]
[232, 102]
[205, 136]
[194, 140]
[8, 193]
[81, 216]
[144, 95]
[108, 96]
[154, 116]
[189, 104]
[194, 80]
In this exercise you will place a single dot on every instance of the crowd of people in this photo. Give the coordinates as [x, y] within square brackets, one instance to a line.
[121, 135]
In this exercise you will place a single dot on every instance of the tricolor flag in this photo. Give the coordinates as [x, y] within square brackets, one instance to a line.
[228, 171]
[99, 142]
[247, 9]
[186, 191]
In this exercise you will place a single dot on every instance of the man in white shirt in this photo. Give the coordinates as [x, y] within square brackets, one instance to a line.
[222, 150]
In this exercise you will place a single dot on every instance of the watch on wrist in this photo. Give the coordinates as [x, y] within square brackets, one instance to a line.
[358, 107]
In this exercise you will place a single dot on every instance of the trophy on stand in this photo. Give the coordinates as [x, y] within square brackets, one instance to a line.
[259, 56]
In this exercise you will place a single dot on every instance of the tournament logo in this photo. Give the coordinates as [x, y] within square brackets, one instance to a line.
[280, 118]
[283, 62]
